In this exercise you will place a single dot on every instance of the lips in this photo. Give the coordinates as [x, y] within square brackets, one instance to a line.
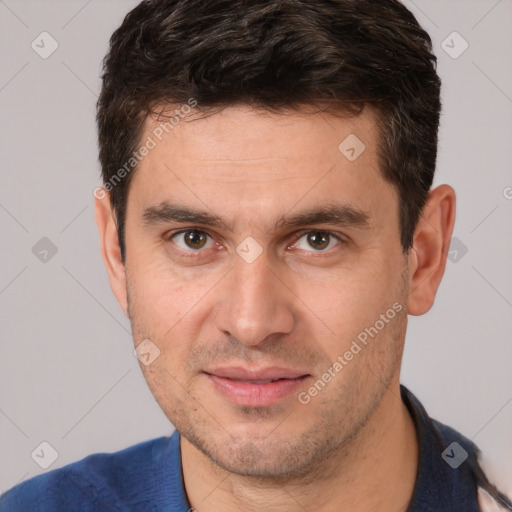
[252, 375]
[255, 388]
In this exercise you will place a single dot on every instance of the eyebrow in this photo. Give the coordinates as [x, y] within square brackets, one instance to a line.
[343, 215]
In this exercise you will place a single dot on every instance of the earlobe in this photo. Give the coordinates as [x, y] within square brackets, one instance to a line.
[427, 258]
[110, 250]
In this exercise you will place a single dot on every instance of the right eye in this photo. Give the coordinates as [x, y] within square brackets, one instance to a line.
[192, 240]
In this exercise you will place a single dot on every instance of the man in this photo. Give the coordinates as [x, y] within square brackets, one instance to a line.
[267, 223]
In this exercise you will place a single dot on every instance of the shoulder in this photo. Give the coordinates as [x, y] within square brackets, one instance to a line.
[449, 473]
[92, 484]
[489, 497]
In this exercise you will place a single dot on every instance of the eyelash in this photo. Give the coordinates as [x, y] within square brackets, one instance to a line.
[194, 254]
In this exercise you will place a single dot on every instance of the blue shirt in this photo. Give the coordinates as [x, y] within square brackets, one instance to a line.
[148, 477]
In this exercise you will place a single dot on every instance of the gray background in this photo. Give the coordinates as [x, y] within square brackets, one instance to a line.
[67, 372]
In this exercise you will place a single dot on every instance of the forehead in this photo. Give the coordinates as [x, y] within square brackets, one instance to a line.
[242, 133]
[241, 158]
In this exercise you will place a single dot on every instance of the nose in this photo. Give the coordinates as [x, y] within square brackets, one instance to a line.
[254, 303]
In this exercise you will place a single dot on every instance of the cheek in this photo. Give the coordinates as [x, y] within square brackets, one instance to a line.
[159, 304]
[160, 296]
[348, 302]
[169, 387]
[170, 309]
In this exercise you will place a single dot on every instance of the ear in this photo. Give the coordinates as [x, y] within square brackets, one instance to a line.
[110, 249]
[427, 257]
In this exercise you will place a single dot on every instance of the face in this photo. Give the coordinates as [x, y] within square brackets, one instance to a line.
[258, 250]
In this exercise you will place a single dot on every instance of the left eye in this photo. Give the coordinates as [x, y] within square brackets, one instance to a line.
[192, 239]
[317, 240]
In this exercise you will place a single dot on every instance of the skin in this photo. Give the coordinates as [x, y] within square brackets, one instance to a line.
[296, 305]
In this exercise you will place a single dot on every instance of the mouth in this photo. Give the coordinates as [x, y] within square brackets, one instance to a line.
[255, 388]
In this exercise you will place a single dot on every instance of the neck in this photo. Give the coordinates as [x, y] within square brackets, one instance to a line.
[375, 471]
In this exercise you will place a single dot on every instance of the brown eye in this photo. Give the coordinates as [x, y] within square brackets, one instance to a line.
[317, 240]
[191, 239]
